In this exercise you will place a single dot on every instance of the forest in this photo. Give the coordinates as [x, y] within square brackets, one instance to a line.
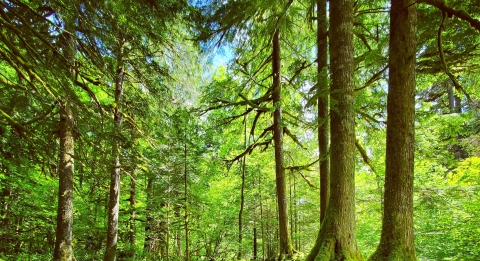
[341, 130]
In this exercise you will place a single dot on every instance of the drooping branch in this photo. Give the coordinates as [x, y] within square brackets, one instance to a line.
[309, 182]
[364, 155]
[463, 15]
[302, 167]
[373, 79]
[249, 150]
[226, 103]
[293, 137]
[17, 126]
[370, 119]
[250, 103]
[252, 131]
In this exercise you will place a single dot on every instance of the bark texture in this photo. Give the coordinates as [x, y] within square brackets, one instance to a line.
[337, 240]
[323, 117]
[187, 241]
[286, 248]
[63, 243]
[114, 196]
[396, 241]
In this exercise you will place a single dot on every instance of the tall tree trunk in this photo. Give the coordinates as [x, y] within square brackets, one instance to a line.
[286, 247]
[295, 215]
[167, 232]
[396, 242]
[242, 192]
[187, 245]
[262, 221]
[114, 196]
[133, 179]
[63, 243]
[336, 239]
[147, 246]
[323, 117]
[255, 247]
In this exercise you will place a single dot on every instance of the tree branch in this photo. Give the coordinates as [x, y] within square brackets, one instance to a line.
[442, 5]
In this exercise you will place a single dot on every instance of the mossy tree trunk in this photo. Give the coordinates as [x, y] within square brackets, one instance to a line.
[336, 239]
[396, 241]
[286, 248]
[133, 191]
[63, 243]
[114, 196]
[323, 117]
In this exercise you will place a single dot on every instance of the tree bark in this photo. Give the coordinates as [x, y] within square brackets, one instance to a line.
[323, 117]
[187, 245]
[147, 246]
[262, 226]
[336, 239]
[133, 180]
[396, 242]
[286, 247]
[114, 195]
[242, 192]
[63, 243]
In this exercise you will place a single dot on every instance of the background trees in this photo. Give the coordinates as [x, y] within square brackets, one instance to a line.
[189, 122]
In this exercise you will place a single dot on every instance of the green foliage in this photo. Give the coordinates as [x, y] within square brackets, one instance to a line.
[175, 98]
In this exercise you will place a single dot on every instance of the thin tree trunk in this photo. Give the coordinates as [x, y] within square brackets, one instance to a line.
[167, 241]
[255, 251]
[147, 247]
[336, 239]
[396, 242]
[63, 243]
[133, 180]
[290, 200]
[187, 251]
[262, 226]
[295, 216]
[242, 193]
[286, 247]
[114, 195]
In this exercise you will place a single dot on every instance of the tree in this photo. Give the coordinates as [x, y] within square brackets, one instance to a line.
[286, 247]
[63, 244]
[396, 242]
[336, 239]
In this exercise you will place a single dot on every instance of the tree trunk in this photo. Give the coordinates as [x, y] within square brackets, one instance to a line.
[396, 242]
[242, 192]
[147, 246]
[296, 239]
[285, 242]
[255, 251]
[114, 196]
[262, 226]
[336, 239]
[187, 251]
[63, 243]
[323, 118]
[133, 229]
